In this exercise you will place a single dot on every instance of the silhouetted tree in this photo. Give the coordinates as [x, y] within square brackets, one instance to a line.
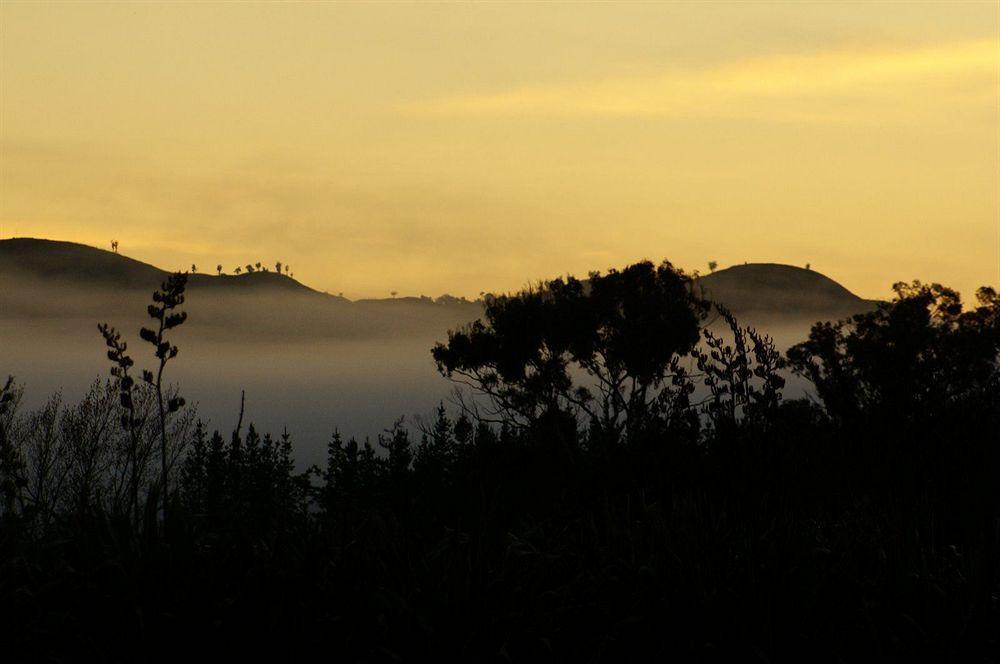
[238, 270]
[625, 329]
[277, 267]
[163, 311]
[250, 268]
[247, 485]
[393, 293]
[742, 374]
[910, 358]
[130, 420]
[12, 467]
[436, 449]
[399, 455]
[463, 430]
[114, 246]
[712, 265]
[194, 268]
[218, 268]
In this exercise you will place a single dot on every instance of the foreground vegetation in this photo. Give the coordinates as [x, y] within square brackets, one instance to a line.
[621, 480]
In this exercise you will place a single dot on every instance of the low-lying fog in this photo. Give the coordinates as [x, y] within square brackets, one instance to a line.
[311, 386]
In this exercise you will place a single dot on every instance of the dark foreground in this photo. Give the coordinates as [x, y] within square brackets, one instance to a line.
[863, 527]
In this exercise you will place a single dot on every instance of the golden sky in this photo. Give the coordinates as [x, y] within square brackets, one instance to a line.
[431, 148]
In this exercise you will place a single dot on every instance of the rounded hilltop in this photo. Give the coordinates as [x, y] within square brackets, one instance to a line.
[72, 261]
[775, 288]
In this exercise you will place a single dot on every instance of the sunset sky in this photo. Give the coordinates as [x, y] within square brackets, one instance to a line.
[475, 147]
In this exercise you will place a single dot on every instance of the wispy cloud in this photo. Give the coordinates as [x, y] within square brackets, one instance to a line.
[828, 86]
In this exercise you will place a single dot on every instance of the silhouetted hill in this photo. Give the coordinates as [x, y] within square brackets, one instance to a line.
[47, 279]
[786, 290]
[82, 265]
[761, 287]
[22, 258]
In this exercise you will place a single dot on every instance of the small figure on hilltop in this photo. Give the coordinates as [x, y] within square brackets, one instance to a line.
[114, 246]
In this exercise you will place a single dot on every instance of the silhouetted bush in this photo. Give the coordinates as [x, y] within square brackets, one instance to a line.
[61, 462]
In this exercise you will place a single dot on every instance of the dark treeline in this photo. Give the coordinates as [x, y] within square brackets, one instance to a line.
[620, 480]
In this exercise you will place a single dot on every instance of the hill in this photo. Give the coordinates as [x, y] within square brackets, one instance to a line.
[81, 265]
[780, 290]
[48, 279]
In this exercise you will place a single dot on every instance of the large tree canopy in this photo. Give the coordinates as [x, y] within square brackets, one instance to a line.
[605, 347]
[911, 357]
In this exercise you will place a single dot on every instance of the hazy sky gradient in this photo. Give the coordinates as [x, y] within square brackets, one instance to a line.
[468, 147]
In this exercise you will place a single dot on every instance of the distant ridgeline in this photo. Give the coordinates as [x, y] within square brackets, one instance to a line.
[46, 279]
[52, 279]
